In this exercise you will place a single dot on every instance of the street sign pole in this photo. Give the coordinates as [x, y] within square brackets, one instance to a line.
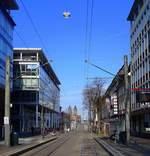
[7, 103]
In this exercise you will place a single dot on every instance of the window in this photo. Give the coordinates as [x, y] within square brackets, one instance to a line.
[29, 56]
[139, 22]
[147, 7]
[142, 17]
[29, 69]
[16, 70]
[145, 28]
[16, 55]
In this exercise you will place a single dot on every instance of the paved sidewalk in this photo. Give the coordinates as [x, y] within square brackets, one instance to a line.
[137, 147]
[141, 141]
[25, 144]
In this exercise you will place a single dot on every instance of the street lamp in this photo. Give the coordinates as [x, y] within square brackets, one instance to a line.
[66, 14]
[102, 69]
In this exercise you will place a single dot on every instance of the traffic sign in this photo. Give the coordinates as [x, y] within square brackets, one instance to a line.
[6, 120]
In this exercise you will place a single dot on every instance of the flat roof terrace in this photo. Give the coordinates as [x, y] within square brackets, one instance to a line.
[42, 60]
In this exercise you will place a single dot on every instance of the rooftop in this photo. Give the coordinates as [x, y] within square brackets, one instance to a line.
[117, 79]
[10, 4]
[134, 9]
[44, 60]
[119, 76]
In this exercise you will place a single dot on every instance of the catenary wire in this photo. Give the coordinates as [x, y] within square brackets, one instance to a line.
[33, 25]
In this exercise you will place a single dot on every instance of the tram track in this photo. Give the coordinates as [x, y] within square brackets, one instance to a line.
[72, 144]
[90, 147]
[49, 148]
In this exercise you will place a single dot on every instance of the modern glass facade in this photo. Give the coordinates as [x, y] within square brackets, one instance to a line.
[35, 87]
[51, 91]
[32, 76]
[26, 76]
[6, 39]
[139, 18]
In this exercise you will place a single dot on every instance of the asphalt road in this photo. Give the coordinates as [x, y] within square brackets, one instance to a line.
[77, 143]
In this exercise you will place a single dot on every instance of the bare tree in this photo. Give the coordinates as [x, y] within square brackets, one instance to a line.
[92, 101]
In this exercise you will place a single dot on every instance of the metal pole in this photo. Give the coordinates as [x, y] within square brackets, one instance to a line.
[42, 116]
[89, 113]
[127, 101]
[7, 103]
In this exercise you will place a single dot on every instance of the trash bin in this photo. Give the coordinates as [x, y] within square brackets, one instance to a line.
[122, 137]
[14, 138]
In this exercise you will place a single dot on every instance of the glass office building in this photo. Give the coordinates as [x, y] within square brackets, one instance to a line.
[139, 18]
[35, 86]
[6, 47]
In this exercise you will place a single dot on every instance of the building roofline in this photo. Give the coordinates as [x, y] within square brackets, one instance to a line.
[47, 67]
[133, 9]
[9, 4]
[7, 16]
[114, 81]
[120, 73]
[27, 49]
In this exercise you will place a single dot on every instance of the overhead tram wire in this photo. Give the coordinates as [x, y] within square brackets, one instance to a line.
[88, 40]
[91, 27]
[86, 29]
[88, 35]
[21, 38]
[33, 25]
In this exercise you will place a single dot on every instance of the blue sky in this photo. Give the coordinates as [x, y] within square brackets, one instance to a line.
[65, 39]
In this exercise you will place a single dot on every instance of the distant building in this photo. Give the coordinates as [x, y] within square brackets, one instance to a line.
[35, 86]
[139, 18]
[6, 47]
[75, 111]
[69, 110]
[64, 121]
[75, 119]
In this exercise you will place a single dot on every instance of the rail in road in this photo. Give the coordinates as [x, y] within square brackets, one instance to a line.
[89, 147]
[77, 143]
[49, 148]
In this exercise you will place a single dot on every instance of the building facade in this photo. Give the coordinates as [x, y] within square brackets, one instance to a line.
[112, 101]
[139, 18]
[75, 118]
[65, 122]
[115, 103]
[6, 47]
[36, 92]
[105, 116]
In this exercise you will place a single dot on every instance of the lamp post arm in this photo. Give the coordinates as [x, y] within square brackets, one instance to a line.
[106, 71]
[102, 69]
